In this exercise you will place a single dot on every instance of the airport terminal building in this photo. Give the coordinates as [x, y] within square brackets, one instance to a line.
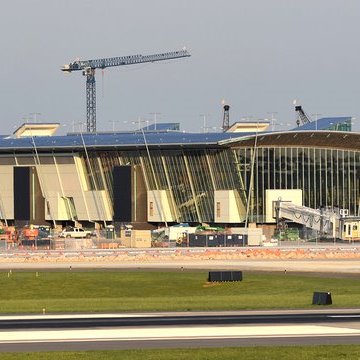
[166, 176]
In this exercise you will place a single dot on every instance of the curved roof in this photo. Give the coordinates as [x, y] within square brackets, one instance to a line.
[324, 123]
[324, 139]
[162, 127]
[131, 140]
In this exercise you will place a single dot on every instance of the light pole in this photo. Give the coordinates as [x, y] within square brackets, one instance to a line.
[272, 114]
[139, 122]
[92, 176]
[316, 116]
[113, 124]
[159, 206]
[204, 118]
[253, 159]
[248, 118]
[26, 119]
[316, 119]
[34, 116]
[351, 123]
[155, 114]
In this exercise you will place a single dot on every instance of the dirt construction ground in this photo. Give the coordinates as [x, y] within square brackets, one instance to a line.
[342, 260]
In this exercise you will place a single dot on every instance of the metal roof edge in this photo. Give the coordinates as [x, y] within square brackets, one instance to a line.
[286, 132]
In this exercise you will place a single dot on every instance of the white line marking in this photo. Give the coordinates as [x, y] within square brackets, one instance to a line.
[172, 332]
[77, 316]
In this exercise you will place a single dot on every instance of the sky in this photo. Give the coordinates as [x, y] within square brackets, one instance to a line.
[258, 55]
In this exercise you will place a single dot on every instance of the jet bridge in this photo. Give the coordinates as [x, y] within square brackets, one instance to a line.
[326, 220]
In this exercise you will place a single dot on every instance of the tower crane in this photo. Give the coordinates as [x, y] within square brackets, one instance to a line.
[88, 68]
[226, 118]
[302, 117]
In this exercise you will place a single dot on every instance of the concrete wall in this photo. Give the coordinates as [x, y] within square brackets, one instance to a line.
[59, 179]
[6, 190]
[158, 206]
[294, 195]
[228, 207]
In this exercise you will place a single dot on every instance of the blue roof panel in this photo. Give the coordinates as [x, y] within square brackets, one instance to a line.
[163, 127]
[138, 138]
[128, 139]
[323, 123]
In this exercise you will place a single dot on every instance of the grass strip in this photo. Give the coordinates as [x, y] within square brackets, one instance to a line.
[99, 291]
[326, 352]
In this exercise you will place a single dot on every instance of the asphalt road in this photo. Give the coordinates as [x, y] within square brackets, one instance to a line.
[178, 330]
[175, 319]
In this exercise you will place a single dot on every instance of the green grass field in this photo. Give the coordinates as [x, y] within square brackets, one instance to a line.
[105, 291]
[243, 353]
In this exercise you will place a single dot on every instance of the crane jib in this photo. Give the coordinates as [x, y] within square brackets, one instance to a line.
[123, 60]
[88, 68]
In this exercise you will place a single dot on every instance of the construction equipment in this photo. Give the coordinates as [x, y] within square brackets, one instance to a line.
[226, 118]
[88, 69]
[8, 234]
[302, 117]
[330, 222]
[315, 219]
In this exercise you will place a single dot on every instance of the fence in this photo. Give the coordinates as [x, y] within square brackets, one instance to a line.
[103, 240]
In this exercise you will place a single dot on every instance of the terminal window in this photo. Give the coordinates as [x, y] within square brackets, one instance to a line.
[218, 209]
[151, 206]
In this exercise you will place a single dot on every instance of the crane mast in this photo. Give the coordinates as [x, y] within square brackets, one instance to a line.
[226, 118]
[88, 69]
[302, 116]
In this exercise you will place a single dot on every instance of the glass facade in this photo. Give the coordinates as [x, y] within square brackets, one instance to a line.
[345, 126]
[328, 177]
[192, 176]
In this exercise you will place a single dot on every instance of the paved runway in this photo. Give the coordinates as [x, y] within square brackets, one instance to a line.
[341, 331]
[176, 337]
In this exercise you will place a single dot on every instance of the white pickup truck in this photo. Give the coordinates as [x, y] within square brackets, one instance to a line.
[75, 232]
